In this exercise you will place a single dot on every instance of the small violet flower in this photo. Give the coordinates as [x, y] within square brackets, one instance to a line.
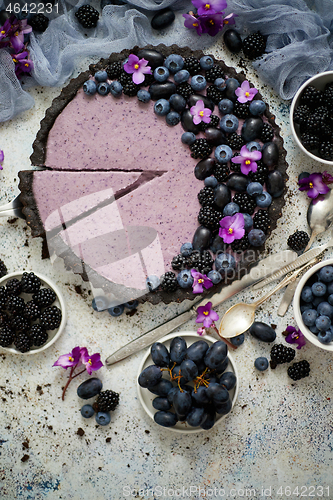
[93, 363]
[212, 23]
[2, 157]
[17, 37]
[295, 337]
[245, 93]
[138, 68]
[316, 184]
[191, 22]
[200, 281]
[247, 159]
[70, 359]
[209, 7]
[206, 315]
[201, 331]
[232, 228]
[22, 64]
[229, 19]
[200, 113]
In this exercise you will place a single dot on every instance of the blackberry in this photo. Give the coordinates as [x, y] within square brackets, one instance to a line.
[235, 141]
[4, 319]
[221, 172]
[311, 96]
[3, 269]
[241, 244]
[106, 401]
[298, 240]
[213, 73]
[214, 94]
[260, 175]
[214, 122]
[261, 220]
[38, 335]
[192, 65]
[309, 140]
[184, 89]
[328, 96]
[236, 167]
[314, 123]
[3, 298]
[7, 336]
[149, 79]
[326, 131]
[51, 318]
[202, 262]
[15, 305]
[44, 297]
[19, 324]
[299, 370]
[31, 310]
[323, 112]
[254, 45]
[200, 149]
[241, 109]
[124, 77]
[22, 342]
[39, 22]
[87, 16]
[209, 217]
[281, 354]
[206, 196]
[30, 283]
[245, 202]
[267, 133]
[325, 150]
[14, 286]
[179, 262]
[301, 113]
[169, 282]
[114, 70]
[130, 89]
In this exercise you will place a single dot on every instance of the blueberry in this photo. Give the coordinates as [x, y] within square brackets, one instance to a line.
[186, 249]
[303, 175]
[248, 222]
[90, 87]
[325, 337]
[317, 300]
[188, 138]
[211, 182]
[116, 310]
[239, 340]
[198, 83]
[253, 146]
[161, 74]
[103, 418]
[143, 95]
[256, 237]
[257, 107]
[116, 88]
[230, 209]
[214, 276]
[223, 153]
[100, 303]
[220, 83]
[101, 76]
[309, 317]
[254, 188]
[206, 62]
[323, 323]
[314, 329]
[185, 279]
[174, 63]
[305, 307]
[103, 88]
[181, 76]
[306, 294]
[229, 123]
[225, 106]
[89, 388]
[162, 107]
[132, 304]
[153, 282]
[318, 289]
[225, 263]
[330, 299]
[232, 85]
[172, 118]
[326, 274]
[261, 364]
[263, 200]
[330, 288]
[325, 309]
[87, 411]
[177, 102]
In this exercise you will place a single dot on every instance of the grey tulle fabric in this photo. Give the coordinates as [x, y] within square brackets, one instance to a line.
[299, 42]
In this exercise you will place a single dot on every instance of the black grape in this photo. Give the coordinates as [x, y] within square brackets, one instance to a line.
[165, 418]
[188, 370]
[161, 404]
[160, 354]
[178, 349]
[197, 351]
[182, 402]
[150, 376]
[224, 408]
[216, 354]
[228, 380]
[196, 417]
[162, 388]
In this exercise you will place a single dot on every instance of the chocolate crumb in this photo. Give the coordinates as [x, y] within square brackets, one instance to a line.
[12, 221]
[25, 458]
[273, 326]
[78, 289]
[50, 427]
[108, 440]
[80, 431]
[147, 432]
[25, 444]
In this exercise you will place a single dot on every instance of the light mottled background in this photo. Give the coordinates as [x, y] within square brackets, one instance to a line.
[279, 433]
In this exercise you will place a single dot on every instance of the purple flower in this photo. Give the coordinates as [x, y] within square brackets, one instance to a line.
[191, 22]
[93, 363]
[22, 64]
[314, 185]
[247, 159]
[229, 19]
[295, 337]
[200, 113]
[206, 315]
[138, 68]
[17, 37]
[209, 7]
[245, 92]
[212, 23]
[200, 281]
[232, 228]
[2, 157]
[71, 359]
[201, 331]
[6, 29]
[327, 178]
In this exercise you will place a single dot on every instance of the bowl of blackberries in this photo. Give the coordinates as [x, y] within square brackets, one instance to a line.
[32, 313]
[187, 383]
[311, 117]
[313, 304]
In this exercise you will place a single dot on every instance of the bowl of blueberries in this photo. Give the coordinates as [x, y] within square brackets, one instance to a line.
[313, 304]
[310, 117]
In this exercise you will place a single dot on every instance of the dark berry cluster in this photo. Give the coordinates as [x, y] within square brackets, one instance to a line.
[281, 354]
[298, 240]
[106, 401]
[87, 16]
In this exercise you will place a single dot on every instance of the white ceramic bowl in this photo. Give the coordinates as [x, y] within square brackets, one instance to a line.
[146, 397]
[59, 302]
[297, 300]
[319, 81]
